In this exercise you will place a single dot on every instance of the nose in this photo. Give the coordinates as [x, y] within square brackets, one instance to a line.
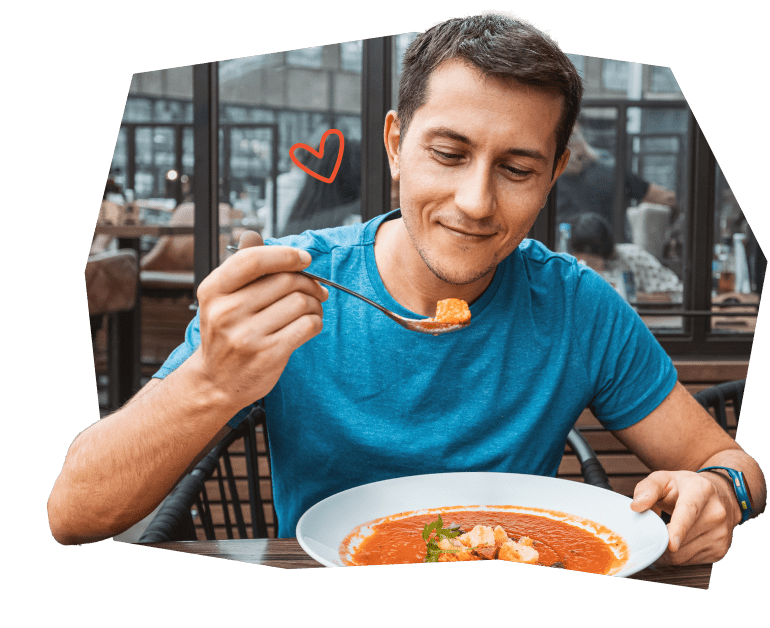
[475, 192]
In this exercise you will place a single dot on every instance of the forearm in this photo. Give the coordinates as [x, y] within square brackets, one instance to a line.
[118, 470]
[755, 481]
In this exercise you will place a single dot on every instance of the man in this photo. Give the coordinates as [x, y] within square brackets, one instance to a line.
[486, 106]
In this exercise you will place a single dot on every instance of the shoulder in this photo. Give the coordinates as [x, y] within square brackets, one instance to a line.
[544, 264]
[324, 241]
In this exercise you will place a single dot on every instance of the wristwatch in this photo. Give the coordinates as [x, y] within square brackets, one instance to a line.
[741, 491]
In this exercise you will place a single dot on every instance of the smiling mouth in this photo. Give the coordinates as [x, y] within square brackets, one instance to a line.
[467, 234]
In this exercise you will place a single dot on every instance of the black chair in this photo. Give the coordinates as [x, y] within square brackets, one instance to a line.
[592, 470]
[174, 520]
[717, 397]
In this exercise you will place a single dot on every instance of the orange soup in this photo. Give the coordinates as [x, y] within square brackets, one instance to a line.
[559, 542]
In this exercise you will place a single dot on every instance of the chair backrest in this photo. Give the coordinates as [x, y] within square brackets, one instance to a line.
[592, 470]
[717, 398]
[112, 279]
[217, 490]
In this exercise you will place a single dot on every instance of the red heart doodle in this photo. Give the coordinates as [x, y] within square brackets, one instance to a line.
[320, 153]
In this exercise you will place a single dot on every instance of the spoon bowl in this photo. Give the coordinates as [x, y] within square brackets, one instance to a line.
[423, 325]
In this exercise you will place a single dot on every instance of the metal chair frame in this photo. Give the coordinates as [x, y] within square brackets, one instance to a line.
[174, 520]
[717, 397]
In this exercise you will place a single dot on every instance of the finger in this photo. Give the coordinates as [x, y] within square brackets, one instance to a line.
[272, 288]
[690, 505]
[708, 547]
[285, 311]
[252, 263]
[249, 239]
[299, 331]
[656, 487]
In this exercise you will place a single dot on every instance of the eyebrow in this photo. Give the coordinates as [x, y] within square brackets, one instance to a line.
[442, 131]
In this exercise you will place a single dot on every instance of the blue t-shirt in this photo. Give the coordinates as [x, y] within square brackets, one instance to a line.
[367, 400]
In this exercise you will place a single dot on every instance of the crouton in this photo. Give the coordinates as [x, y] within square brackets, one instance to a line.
[518, 553]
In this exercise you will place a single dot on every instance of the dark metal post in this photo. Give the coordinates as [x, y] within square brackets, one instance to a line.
[206, 179]
[375, 103]
[131, 158]
[622, 150]
[698, 278]
[178, 149]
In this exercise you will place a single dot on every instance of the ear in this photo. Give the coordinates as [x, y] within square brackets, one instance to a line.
[563, 161]
[392, 140]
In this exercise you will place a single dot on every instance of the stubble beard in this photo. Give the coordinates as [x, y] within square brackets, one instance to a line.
[444, 274]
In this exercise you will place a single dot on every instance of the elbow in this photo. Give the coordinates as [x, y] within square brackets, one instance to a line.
[59, 529]
[65, 531]
[67, 528]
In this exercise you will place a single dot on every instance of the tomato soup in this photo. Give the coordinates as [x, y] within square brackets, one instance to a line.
[558, 537]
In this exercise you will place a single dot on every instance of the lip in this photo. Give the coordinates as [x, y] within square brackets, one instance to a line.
[467, 235]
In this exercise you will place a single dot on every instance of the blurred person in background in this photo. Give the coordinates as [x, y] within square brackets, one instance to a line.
[588, 184]
[592, 243]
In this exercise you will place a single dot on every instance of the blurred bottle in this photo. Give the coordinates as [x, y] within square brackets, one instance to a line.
[727, 268]
[742, 280]
[562, 244]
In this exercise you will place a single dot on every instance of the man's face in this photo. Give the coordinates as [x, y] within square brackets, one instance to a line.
[475, 168]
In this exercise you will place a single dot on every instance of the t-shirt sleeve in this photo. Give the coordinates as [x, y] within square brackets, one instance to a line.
[628, 370]
[192, 338]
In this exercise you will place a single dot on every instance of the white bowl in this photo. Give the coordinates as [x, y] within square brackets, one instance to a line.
[323, 528]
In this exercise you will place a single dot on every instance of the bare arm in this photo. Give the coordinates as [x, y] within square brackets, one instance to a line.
[660, 195]
[253, 315]
[675, 440]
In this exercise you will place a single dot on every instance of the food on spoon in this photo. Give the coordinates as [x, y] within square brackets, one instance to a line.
[452, 311]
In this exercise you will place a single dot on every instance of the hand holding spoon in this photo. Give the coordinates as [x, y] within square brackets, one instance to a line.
[423, 326]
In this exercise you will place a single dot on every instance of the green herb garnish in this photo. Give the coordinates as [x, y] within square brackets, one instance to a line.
[437, 528]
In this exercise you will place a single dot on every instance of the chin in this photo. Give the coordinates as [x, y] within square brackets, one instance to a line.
[458, 275]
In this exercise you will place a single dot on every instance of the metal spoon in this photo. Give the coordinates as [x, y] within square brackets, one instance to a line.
[423, 326]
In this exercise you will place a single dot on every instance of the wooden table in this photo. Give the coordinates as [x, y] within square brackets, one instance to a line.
[288, 554]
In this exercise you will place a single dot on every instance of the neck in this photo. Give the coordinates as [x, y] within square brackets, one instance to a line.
[408, 279]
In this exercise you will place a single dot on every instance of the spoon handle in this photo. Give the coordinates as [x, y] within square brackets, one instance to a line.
[344, 289]
[328, 282]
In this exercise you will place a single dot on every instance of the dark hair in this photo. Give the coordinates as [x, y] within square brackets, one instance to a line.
[592, 234]
[315, 195]
[498, 46]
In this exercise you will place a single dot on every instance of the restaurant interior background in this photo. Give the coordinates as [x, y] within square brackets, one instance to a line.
[203, 153]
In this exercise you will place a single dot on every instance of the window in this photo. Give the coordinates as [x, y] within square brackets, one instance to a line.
[266, 107]
[653, 177]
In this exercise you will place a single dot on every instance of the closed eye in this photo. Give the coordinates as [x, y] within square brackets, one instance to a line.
[516, 171]
[446, 156]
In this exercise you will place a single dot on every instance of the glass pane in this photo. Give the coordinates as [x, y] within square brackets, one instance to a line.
[662, 81]
[150, 175]
[400, 44]
[615, 75]
[738, 268]
[351, 55]
[307, 57]
[629, 230]
[610, 78]
[268, 103]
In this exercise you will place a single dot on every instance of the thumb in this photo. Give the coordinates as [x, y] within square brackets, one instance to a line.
[249, 239]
